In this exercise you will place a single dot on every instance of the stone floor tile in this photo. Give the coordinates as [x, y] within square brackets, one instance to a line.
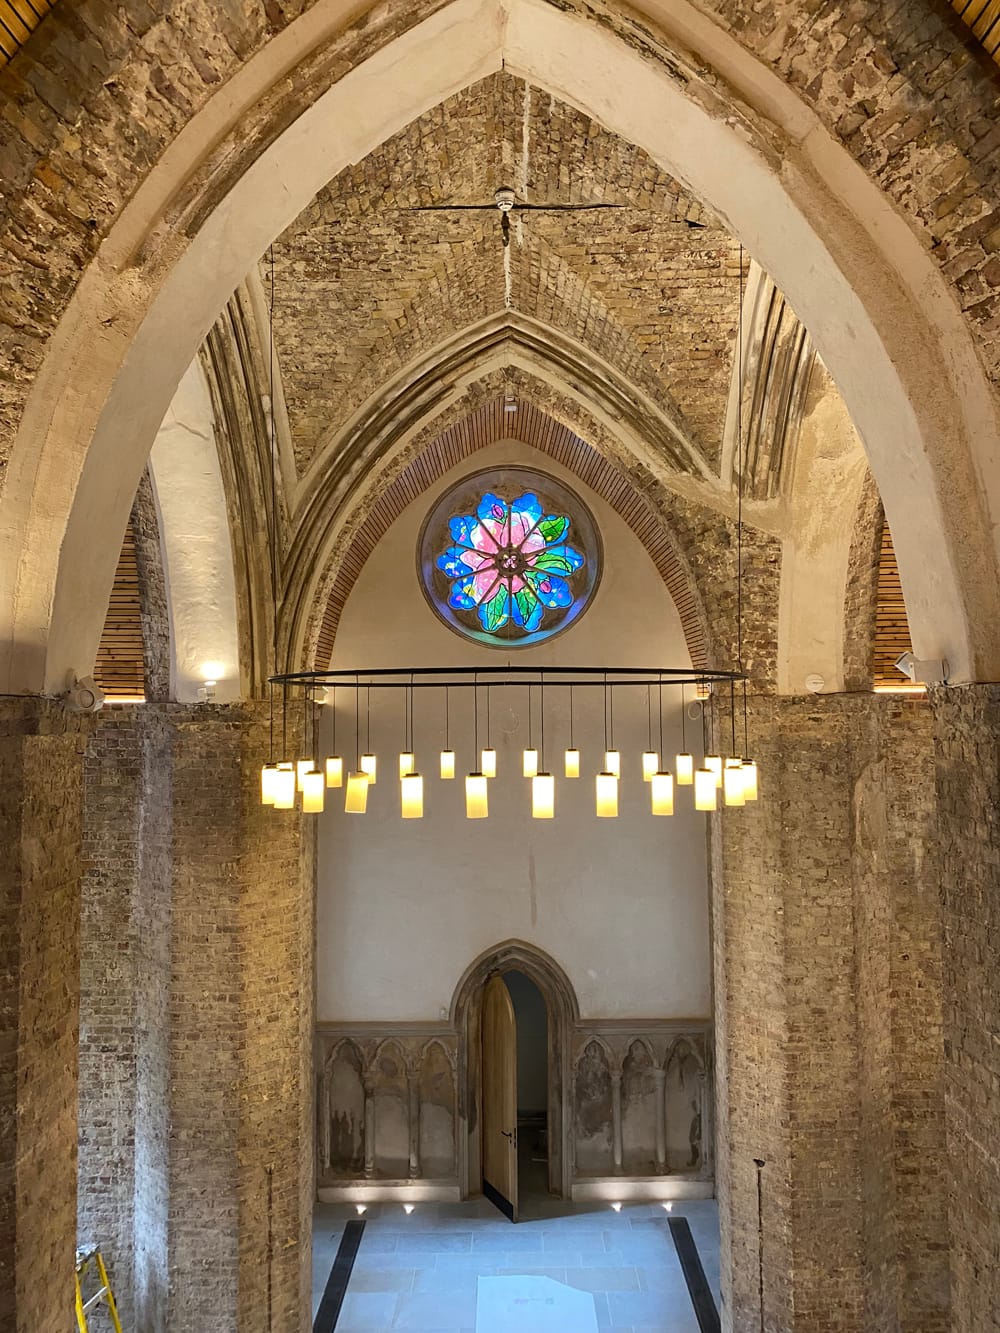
[367, 1311]
[656, 1308]
[428, 1310]
[382, 1279]
[603, 1279]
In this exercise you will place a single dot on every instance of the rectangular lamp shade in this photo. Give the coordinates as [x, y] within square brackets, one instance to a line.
[685, 770]
[607, 795]
[732, 783]
[284, 787]
[530, 763]
[543, 796]
[368, 764]
[412, 796]
[613, 763]
[662, 793]
[477, 801]
[488, 763]
[268, 773]
[406, 764]
[705, 790]
[302, 767]
[650, 765]
[572, 768]
[335, 771]
[447, 763]
[713, 762]
[313, 792]
[356, 795]
[749, 779]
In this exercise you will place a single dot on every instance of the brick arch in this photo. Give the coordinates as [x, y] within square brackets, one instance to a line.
[486, 425]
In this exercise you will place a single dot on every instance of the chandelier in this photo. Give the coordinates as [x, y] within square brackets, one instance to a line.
[303, 780]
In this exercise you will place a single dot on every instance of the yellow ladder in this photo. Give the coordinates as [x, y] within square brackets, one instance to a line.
[91, 1254]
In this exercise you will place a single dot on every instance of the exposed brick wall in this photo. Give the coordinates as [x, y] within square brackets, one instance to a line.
[829, 1020]
[967, 732]
[41, 749]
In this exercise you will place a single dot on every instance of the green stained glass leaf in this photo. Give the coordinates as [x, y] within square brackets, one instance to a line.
[553, 562]
[494, 613]
[553, 528]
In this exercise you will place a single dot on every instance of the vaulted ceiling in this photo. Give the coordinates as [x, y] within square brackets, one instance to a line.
[367, 280]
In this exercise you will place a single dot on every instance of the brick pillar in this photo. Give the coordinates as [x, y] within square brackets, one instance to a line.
[41, 760]
[224, 1107]
[967, 726]
[827, 933]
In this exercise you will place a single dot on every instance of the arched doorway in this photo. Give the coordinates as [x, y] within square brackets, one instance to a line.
[562, 1012]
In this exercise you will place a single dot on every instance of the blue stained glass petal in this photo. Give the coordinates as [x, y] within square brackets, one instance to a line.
[491, 506]
[550, 589]
[461, 526]
[529, 506]
[463, 595]
[452, 562]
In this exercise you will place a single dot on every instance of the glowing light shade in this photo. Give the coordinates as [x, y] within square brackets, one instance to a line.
[335, 771]
[488, 763]
[750, 779]
[412, 796]
[713, 762]
[356, 795]
[732, 782]
[530, 763]
[368, 765]
[268, 773]
[447, 764]
[406, 764]
[685, 770]
[650, 765]
[313, 791]
[613, 763]
[572, 769]
[607, 795]
[543, 796]
[662, 793]
[284, 787]
[705, 790]
[477, 801]
[302, 767]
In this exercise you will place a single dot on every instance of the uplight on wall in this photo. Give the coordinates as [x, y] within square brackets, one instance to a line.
[412, 796]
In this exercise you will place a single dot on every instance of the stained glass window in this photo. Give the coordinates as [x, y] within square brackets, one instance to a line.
[509, 557]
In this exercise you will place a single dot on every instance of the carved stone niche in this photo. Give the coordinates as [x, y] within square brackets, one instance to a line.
[593, 1112]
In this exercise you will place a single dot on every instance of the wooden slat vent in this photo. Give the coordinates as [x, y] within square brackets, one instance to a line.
[983, 17]
[120, 667]
[892, 628]
[18, 20]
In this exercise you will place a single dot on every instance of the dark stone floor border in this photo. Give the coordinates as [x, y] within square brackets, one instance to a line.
[694, 1275]
[340, 1274]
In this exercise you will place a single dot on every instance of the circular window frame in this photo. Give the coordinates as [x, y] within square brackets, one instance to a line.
[430, 577]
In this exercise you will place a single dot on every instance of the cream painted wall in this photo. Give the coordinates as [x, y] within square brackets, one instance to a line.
[404, 906]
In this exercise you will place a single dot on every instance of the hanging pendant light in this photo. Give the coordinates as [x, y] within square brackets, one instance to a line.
[685, 770]
[284, 786]
[613, 763]
[302, 767]
[368, 764]
[543, 796]
[607, 795]
[732, 782]
[572, 763]
[447, 754]
[650, 765]
[356, 794]
[488, 763]
[749, 780]
[406, 763]
[705, 790]
[477, 801]
[313, 792]
[268, 774]
[530, 763]
[650, 758]
[713, 762]
[412, 796]
[662, 794]
[447, 764]
[335, 771]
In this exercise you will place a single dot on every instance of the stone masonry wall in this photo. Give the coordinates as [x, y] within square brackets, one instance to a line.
[967, 734]
[828, 1004]
[41, 762]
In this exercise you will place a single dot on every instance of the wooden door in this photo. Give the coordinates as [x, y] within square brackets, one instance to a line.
[499, 1097]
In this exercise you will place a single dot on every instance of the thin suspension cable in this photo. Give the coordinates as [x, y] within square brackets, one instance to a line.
[270, 742]
[542, 691]
[273, 459]
[606, 712]
[475, 721]
[284, 722]
[357, 728]
[611, 714]
[732, 714]
[660, 688]
[305, 719]
[739, 486]
[368, 719]
[746, 736]
[409, 697]
[334, 706]
[489, 720]
[447, 717]
[531, 732]
[683, 722]
[571, 745]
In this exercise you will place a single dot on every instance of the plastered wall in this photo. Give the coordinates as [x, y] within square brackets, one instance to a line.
[404, 906]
